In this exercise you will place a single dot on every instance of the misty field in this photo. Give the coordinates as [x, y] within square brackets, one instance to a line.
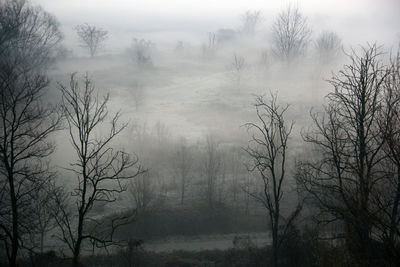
[180, 133]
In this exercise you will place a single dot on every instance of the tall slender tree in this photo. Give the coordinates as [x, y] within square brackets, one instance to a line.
[102, 172]
[268, 154]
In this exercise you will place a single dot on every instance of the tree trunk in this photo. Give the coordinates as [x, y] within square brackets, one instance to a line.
[393, 222]
[14, 209]
[275, 247]
[77, 249]
[275, 237]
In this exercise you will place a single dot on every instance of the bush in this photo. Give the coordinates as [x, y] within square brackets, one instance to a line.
[190, 221]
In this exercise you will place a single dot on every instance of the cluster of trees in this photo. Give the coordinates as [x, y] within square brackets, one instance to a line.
[28, 36]
[291, 33]
[348, 178]
[291, 36]
[183, 173]
[92, 38]
[351, 177]
[31, 202]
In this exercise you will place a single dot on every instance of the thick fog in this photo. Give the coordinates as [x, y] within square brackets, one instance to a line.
[355, 21]
[206, 134]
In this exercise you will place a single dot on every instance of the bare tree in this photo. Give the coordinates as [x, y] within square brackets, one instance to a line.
[328, 45]
[209, 48]
[212, 41]
[247, 187]
[291, 33]
[235, 171]
[387, 197]
[264, 58]
[212, 167]
[268, 154]
[183, 164]
[236, 68]
[142, 192]
[43, 211]
[251, 20]
[138, 93]
[346, 173]
[91, 37]
[27, 37]
[392, 138]
[102, 172]
[141, 52]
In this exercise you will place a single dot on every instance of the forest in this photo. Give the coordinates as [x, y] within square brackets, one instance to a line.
[274, 141]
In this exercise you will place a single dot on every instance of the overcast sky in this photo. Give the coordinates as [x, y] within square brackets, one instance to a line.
[355, 20]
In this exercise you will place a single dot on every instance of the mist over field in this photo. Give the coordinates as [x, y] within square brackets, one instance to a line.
[199, 133]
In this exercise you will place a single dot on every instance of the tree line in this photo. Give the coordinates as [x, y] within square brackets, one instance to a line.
[350, 176]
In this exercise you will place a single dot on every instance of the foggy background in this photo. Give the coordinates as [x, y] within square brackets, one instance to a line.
[356, 21]
[189, 101]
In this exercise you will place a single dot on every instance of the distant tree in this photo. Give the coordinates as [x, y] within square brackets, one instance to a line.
[209, 48]
[28, 36]
[267, 150]
[161, 132]
[44, 211]
[142, 191]
[91, 37]
[236, 171]
[264, 58]
[247, 187]
[291, 33]
[250, 21]
[138, 94]
[226, 36]
[212, 165]
[212, 41]
[102, 172]
[236, 68]
[328, 45]
[182, 166]
[141, 52]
